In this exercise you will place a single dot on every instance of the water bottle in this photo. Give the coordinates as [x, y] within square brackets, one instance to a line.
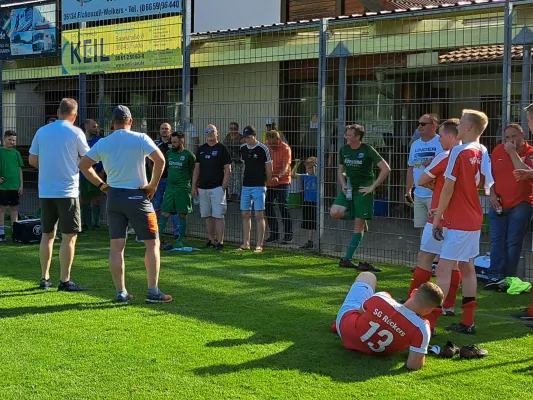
[349, 194]
[196, 200]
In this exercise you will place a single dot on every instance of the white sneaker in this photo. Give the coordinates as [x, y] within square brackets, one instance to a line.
[131, 231]
[138, 240]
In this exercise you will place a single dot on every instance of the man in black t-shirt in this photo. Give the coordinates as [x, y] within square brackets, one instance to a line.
[257, 171]
[210, 181]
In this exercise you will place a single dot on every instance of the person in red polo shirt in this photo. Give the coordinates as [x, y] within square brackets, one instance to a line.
[511, 203]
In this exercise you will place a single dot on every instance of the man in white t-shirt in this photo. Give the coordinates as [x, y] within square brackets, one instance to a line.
[421, 153]
[55, 151]
[123, 155]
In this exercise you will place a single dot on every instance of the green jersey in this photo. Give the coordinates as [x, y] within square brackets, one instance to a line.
[360, 164]
[10, 165]
[180, 169]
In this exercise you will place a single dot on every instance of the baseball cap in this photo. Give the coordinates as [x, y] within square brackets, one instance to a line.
[121, 113]
[270, 121]
[249, 131]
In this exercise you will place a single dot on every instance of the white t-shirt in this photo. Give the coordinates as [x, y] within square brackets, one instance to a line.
[123, 155]
[59, 146]
[423, 151]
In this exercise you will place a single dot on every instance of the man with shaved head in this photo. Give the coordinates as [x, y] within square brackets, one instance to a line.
[90, 194]
[164, 144]
[210, 181]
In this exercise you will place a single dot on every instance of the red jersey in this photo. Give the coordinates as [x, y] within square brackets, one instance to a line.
[436, 170]
[385, 327]
[510, 191]
[467, 165]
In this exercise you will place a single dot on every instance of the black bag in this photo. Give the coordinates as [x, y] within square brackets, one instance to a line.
[28, 231]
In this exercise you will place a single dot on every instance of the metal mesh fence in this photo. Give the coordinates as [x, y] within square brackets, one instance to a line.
[382, 71]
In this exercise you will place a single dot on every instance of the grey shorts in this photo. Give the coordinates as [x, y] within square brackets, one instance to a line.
[130, 206]
[64, 212]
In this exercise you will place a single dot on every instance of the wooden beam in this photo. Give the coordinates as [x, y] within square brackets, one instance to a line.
[339, 7]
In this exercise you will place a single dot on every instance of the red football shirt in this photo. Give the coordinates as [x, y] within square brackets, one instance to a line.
[385, 327]
[467, 164]
[436, 170]
[510, 191]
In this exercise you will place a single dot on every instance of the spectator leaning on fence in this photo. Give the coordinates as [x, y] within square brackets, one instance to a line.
[310, 181]
[55, 151]
[210, 181]
[422, 152]
[178, 199]
[278, 188]
[11, 181]
[511, 205]
[164, 145]
[123, 155]
[357, 162]
[233, 141]
[90, 194]
[257, 172]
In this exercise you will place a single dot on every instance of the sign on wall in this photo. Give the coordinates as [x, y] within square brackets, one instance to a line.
[75, 11]
[27, 32]
[153, 44]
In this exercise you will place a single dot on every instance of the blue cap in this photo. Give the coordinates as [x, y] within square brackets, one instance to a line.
[121, 113]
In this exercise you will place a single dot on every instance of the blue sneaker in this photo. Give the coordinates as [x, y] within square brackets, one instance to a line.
[166, 246]
[70, 287]
[45, 284]
[123, 299]
[160, 297]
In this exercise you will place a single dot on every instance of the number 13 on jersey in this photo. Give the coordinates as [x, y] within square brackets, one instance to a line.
[381, 345]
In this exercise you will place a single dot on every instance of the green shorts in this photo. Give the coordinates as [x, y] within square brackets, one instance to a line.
[361, 206]
[177, 202]
[88, 191]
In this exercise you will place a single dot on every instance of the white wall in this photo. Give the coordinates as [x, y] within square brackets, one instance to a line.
[246, 94]
[212, 15]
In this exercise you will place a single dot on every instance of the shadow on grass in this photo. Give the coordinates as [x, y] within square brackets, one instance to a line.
[257, 305]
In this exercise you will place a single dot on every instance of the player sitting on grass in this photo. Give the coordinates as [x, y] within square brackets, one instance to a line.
[460, 213]
[376, 324]
[433, 178]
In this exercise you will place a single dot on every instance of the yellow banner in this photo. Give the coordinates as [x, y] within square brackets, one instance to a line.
[134, 46]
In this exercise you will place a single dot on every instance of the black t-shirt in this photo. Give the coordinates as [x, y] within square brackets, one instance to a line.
[255, 160]
[164, 147]
[212, 160]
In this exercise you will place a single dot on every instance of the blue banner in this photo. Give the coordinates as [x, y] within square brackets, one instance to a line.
[75, 11]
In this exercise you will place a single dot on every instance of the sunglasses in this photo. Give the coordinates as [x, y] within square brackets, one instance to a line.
[208, 131]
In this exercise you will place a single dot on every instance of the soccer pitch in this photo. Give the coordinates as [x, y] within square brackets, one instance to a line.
[241, 326]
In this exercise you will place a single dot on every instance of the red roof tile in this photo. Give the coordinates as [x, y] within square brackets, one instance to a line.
[476, 54]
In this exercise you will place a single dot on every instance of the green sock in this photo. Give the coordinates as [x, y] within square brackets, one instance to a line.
[183, 227]
[162, 224]
[86, 215]
[354, 244]
[96, 214]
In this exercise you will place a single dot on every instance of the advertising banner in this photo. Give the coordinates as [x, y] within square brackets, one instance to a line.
[27, 32]
[75, 11]
[152, 44]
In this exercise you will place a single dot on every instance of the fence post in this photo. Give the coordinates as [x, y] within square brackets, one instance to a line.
[1, 99]
[101, 100]
[82, 78]
[507, 60]
[186, 64]
[322, 80]
[526, 87]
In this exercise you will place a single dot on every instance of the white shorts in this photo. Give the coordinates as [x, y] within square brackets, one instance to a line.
[422, 207]
[460, 245]
[358, 294]
[212, 202]
[428, 242]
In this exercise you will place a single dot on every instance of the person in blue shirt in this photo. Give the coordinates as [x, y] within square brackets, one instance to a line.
[310, 181]
[90, 194]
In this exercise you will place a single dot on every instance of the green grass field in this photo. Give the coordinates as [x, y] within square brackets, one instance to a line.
[242, 326]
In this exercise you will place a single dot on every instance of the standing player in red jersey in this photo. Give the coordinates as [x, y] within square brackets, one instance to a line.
[376, 324]
[433, 178]
[460, 213]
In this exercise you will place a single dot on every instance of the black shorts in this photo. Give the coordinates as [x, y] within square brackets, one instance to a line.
[9, 198]
[64, 212]
[309, 216]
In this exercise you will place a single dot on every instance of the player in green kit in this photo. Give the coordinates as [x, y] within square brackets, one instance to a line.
[178, 199]
[357, 162]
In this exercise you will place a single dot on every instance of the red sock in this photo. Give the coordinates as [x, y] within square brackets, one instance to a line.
[433, 316]
[468, 313]
[333, 328]
[420, 276]
[455, 282]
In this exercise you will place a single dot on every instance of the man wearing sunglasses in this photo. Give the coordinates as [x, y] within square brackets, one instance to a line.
[210, 181]
[422, 152]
